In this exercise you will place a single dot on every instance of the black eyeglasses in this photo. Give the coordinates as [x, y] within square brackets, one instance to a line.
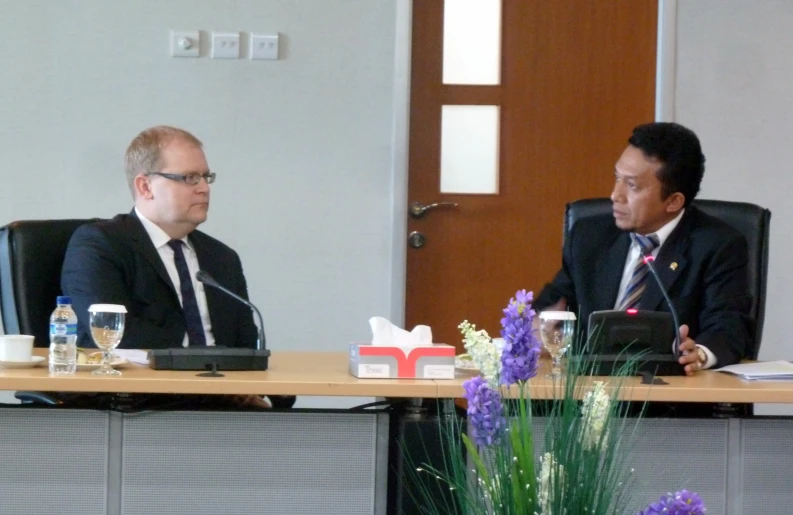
[189, 178]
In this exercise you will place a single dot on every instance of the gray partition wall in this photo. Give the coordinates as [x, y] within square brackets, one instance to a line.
[767, 474]
[53, 461]
[187, 463]
[79, 462]
[75, 462]
[673, 454]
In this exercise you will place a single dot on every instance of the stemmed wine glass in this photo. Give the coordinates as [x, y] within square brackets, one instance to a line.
[556, 332]
[107, 329]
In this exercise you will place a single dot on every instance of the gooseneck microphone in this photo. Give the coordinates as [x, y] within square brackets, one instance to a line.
[648, 260]
[207, 279]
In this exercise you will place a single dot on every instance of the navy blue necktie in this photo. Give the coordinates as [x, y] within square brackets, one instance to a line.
[192, 317]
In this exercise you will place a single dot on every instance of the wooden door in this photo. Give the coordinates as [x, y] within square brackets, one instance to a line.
[577, 76]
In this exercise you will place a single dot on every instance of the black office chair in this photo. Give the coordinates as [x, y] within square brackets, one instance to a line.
[31, 257]
[749, 219]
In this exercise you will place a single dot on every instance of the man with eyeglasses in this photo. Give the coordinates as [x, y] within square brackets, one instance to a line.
[147, 260]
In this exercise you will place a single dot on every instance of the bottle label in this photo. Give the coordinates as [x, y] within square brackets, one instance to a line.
[63, 329]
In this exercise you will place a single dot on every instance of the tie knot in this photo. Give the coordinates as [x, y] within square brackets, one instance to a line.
[176, 244]
[646, 243]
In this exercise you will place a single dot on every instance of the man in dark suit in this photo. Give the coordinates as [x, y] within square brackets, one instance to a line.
[147, 260]
[701, 260]
[115, 262]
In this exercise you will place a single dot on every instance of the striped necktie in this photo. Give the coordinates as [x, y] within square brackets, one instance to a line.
[635, 289]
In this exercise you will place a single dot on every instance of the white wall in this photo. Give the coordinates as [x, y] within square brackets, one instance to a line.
[733, 87]
[304, 147]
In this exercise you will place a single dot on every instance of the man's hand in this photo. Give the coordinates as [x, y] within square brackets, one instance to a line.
[689, 357]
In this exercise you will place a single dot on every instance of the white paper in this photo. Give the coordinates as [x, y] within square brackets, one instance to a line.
[386, 334]
[761, 370]
[133, 355]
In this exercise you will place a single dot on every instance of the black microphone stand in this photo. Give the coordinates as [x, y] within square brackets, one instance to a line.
[207, 279]
[648, 260]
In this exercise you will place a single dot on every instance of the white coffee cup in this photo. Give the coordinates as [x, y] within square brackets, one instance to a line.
[16, 347]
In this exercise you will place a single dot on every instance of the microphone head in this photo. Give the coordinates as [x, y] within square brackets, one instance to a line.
[648, 258]
[203, 277]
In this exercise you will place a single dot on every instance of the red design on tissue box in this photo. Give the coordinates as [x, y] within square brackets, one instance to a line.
[406, 363]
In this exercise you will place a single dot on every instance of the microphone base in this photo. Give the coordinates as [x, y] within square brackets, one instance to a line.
[209, 359]
[610, 364]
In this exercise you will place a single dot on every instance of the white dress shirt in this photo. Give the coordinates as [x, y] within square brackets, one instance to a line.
[160, 240]
[630, 263]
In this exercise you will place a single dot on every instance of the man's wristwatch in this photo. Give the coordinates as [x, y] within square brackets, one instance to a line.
[702, 357]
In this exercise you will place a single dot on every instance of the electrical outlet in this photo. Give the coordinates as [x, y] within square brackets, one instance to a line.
[225, 45]
[264, 46]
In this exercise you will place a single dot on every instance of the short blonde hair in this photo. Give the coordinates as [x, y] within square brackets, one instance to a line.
[144, 154]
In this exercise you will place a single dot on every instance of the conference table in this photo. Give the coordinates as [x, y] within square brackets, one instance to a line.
[306, 461]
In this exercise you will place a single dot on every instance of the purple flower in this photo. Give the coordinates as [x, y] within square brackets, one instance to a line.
[681, 503]
[485, 411]
[655, 508]
[521, 353]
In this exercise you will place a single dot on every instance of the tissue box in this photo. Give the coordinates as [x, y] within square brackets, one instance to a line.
[420, 362]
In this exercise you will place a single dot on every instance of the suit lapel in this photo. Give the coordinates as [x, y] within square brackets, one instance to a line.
[670, 264]
[609, 271]
[146, 247]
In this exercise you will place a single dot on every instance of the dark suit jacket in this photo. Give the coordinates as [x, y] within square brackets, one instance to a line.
[115, 262]
[709, 286]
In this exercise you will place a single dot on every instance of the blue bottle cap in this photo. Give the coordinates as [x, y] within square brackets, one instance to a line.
[64, 300]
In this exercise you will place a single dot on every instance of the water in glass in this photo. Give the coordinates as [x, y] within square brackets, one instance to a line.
[107, 329]
[106, 338]
[556, 332]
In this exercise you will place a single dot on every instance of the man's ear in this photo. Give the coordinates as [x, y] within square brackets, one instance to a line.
[675, 202]
[142, 187]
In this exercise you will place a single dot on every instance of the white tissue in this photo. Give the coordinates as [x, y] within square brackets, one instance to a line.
[386, 334]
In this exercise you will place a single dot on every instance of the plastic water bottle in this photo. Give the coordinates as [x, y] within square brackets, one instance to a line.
[63, 338]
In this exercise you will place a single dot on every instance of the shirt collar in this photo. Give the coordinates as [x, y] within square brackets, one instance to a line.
[664, 232]
[158, 237]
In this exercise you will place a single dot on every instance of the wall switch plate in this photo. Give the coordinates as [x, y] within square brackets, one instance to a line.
[225, 45]
[264, 46]
[185, 43]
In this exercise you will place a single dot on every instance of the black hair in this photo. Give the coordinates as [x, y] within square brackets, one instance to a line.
[679, 150]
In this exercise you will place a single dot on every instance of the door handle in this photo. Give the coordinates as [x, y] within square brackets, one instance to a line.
[418, 210]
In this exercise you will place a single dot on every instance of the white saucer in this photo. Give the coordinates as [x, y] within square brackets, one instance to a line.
[34, 361]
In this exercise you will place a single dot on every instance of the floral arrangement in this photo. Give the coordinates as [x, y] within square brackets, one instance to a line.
[582, 469]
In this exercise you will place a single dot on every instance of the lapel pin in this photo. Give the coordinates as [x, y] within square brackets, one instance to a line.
[673, 266]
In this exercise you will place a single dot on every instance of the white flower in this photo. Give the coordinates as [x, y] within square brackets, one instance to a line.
[551, 482]
[484, 353]
[595, 410]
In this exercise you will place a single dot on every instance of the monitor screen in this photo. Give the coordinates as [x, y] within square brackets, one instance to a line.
[631, 332]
